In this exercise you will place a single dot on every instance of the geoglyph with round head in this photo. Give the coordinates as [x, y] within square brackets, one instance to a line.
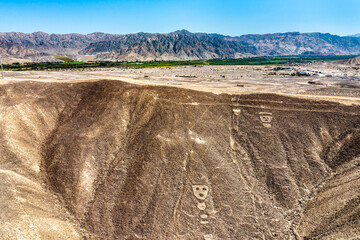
[200, 191]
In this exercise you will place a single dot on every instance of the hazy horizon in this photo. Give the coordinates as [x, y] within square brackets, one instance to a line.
[348, 35]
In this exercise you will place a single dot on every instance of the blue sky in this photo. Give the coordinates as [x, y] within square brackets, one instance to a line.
[229, 17]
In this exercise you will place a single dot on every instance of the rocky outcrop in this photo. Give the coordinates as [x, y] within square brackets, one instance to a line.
[121, 161]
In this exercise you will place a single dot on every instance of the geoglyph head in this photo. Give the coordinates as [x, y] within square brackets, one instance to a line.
[265, 117]
[200, 191]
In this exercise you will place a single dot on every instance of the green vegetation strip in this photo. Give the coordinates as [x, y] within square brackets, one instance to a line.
[153, 64]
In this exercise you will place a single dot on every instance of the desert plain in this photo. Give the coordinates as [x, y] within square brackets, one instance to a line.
[195, 152]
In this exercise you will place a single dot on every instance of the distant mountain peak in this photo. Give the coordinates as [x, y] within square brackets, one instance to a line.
[182, 31]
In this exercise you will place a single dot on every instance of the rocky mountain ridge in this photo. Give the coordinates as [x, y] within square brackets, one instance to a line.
[178, 45]
[295, 43]
[40, 44]
[355, 35]
[181, 45]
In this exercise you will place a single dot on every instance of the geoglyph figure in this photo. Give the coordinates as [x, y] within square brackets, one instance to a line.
[201, 206]
[236, 111]
[200, 191]
[266, 118]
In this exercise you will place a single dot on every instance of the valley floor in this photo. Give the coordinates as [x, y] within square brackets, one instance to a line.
[326, 79]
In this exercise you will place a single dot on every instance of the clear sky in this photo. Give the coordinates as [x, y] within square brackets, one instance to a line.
[229, 17]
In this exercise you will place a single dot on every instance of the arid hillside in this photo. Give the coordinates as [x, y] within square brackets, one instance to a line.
[113, 160]
[353, 61]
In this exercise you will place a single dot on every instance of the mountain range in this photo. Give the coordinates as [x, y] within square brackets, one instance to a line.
[355, 35]
[178, 45]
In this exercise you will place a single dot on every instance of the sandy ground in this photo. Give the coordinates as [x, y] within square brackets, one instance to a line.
[326, 80]
[109, 160]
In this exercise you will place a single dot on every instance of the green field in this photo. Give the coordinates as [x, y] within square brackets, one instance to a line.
[63, 58]
[153, 64]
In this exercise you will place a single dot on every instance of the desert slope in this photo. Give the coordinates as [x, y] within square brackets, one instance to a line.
[112, 160]
[352, 61]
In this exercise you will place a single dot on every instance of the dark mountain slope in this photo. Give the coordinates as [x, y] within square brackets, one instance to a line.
[176, 45]
[28, 45]
[186, 45]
